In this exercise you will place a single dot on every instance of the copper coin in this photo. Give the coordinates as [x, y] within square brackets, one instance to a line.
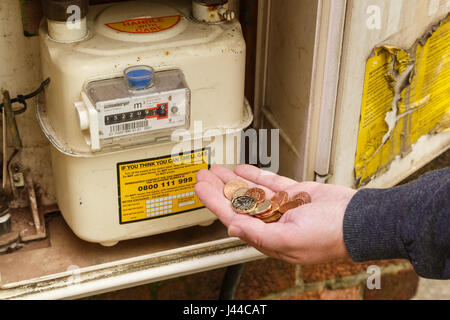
[265, 215]
[274, 208]
[263, 207]
[280, 197]
[240, 192]
[274, 218]
[243, 204]
[288, 206]
[256, 193]
[302, 198]
[232, 186]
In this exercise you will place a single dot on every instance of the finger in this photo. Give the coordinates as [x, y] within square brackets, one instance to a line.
[279, 250]
[264, 178]
[322, 192]
[268, 253]
[255, 233]
[207, 176]
[223, 173]
[227, 175]
[263, 236]
[278, 183]
[215, 201]
[233, 231]
[271, 253]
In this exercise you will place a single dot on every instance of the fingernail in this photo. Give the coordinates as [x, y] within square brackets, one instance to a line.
[234, 232]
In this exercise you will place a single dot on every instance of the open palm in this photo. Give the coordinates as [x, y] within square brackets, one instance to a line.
[309, 234]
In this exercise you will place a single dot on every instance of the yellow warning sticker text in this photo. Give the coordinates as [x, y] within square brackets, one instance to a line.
[406, 95]
[145, 25]
[159, 187]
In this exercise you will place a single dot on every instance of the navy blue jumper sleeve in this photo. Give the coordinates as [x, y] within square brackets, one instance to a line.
[411, 221]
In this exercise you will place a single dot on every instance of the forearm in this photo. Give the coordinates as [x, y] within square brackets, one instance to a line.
[410, 221]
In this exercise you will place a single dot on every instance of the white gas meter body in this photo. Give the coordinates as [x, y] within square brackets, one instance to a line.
[144, 70]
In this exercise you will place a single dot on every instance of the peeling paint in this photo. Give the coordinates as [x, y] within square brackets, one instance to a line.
[406, 95]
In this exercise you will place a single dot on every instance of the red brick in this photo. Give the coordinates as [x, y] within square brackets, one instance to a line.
[397, 286]
[353, 293]
[338, 269]
[264, 277]
[200, 286]
[259, 278]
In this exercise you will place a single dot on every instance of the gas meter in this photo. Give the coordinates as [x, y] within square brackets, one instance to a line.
[133, 75]
[139, 102]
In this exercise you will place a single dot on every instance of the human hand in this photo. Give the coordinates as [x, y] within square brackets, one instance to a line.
[309, 234]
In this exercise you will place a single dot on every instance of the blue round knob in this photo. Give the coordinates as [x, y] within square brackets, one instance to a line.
[139, 77]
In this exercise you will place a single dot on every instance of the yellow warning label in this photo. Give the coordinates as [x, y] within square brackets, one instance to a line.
[159, 187]
[145, 25]
[406, 95]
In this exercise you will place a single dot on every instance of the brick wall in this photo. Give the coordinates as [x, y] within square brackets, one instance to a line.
[274, 279]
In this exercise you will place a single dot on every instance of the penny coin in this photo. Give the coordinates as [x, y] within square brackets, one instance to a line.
[244, 204]
[280, 197]
[302, 198]
[240, 192]
[232, 186]
[274, 207]
[263, 207]
[265, 215]
[256, 193]
[288, 206]
[273, 218]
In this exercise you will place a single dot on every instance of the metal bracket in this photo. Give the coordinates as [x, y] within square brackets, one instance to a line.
[322, 178]
[18, 180]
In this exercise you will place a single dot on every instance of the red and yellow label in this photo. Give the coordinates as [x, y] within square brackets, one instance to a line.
[145, 25]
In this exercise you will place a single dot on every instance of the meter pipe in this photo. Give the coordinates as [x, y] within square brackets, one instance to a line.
[66, 19]
[262, 50]
[329, 95]
[230, 281]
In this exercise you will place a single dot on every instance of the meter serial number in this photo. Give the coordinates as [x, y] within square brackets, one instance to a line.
[165, 184]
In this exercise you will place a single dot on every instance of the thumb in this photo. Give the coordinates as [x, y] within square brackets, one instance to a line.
[257, 233]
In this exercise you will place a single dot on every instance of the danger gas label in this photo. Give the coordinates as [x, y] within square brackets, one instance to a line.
[145, 25]
[160, 187]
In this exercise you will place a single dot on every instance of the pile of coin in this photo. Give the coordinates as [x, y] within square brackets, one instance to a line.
[252, 201]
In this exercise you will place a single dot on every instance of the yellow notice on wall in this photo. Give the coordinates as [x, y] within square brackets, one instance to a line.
[159, 187]
[145, 25]
[406, 95]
